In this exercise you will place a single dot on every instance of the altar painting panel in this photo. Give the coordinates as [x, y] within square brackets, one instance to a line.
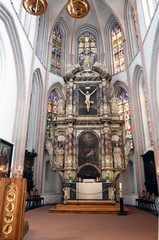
[88, 149]
[5, 158]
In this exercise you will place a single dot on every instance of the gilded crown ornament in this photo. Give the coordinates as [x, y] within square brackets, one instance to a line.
[35, 7]
[78, 8]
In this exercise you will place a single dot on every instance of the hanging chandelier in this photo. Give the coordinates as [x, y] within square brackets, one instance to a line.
[78, 8]
[35, 7]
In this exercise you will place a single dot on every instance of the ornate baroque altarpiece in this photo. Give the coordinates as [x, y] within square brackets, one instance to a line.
[88, 138]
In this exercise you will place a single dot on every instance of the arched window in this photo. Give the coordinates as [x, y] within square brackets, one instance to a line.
[132, 30]
[42, 37]
[124, 113]
[148, 115]
[148, 8]
[87, 45]
[135, 26]
[56, 51]
[118, 49]
[51, 111]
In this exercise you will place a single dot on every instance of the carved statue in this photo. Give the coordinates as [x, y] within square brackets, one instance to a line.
[117, 154]
[59, 152]
[111, 191]
[87, 63]
[66, 194]
[61, 106]
[50, 149]
[127, 148]
[114, 104]
[87, 98]
[108, 161]
[71, 67]
[68, 161]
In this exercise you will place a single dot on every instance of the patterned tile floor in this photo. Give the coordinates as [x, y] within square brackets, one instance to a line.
[138, 225]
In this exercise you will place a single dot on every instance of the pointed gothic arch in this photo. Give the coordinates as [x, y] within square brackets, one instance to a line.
[20, 112]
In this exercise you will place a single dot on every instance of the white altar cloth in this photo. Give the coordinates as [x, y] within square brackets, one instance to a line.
[94, 189]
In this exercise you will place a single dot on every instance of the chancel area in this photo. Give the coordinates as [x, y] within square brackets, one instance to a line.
[79, 108]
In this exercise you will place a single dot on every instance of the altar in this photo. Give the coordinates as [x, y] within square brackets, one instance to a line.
[89, 191]
[87, 139]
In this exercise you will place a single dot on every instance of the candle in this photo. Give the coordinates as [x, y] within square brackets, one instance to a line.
[120, 189]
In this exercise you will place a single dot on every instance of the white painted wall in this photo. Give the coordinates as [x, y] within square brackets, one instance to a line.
[8, 85]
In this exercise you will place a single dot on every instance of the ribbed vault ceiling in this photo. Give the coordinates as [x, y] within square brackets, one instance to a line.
[100, 12]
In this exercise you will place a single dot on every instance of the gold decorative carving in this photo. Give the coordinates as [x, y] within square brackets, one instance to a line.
[9, 207]
[7, 228]
[11, 196]
[8, 218]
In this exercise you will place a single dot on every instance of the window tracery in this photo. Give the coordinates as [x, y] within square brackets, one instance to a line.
[56, 51]
[124, 113]
[148, 115]
[135, 26]
[87, 45]
[51, 111]
[118, 49]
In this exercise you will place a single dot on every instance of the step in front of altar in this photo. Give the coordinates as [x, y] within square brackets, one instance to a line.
[87, 207]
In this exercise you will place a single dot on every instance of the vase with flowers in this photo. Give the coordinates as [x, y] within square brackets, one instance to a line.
[70, 177]
[107, 178]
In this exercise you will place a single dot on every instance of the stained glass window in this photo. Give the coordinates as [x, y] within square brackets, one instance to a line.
[51, 111]
[135, 25]
[87, 45]
[118, 50]
[148, 115]
[124, 113]
[56, 51]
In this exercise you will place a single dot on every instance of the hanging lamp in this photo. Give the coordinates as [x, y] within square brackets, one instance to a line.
[78, 8]
[35, 7]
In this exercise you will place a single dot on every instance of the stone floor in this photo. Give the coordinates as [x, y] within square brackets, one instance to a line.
[138, 225]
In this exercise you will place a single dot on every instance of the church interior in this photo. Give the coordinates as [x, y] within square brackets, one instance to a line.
[79, 122]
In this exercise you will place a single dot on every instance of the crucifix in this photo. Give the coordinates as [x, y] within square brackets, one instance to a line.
[88, 95]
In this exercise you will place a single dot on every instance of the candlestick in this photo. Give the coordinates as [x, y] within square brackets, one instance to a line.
[120, 189]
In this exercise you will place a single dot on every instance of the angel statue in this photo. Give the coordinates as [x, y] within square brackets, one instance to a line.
[87, 95]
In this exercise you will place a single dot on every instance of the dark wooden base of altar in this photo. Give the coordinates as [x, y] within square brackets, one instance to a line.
[87, 206]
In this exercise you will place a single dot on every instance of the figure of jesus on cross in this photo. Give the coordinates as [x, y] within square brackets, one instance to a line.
[88, 95]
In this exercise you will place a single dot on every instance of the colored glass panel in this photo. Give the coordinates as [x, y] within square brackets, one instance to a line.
[135, 25]
[52, 111]
[56, 51]
[118, 51]
[148, 115]
[87, 45]
[124, 113]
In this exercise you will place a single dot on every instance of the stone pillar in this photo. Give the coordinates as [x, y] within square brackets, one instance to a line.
[74, 99]
[101, 99]
[105, 105]
[55, 141]
[102, 148]
[69, 147]
[74, 149]
[69, 103]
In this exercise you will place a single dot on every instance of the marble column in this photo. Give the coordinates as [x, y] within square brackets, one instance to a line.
[101, 99]
[105, 106]
[69, 102]
[102, 148]
[108, 154]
